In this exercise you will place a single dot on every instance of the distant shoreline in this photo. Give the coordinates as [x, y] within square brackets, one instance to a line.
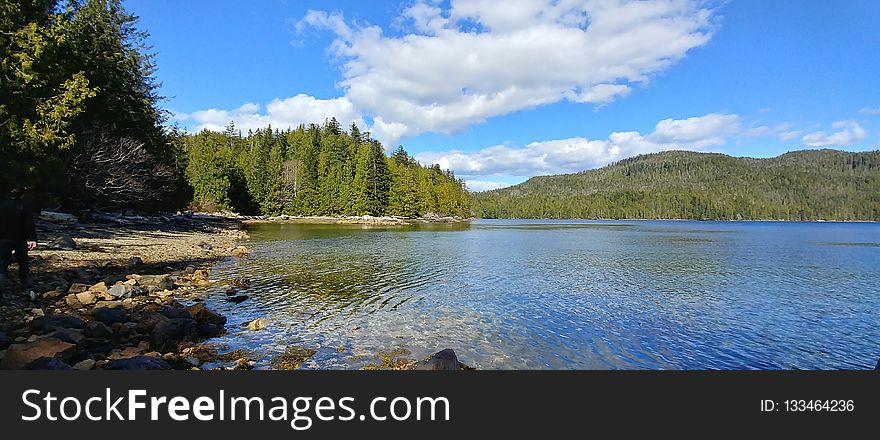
[680, 220]
[343, 220]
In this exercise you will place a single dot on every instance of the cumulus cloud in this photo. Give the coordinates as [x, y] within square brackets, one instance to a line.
[577, 154]
[280, 113]
[475, 59]
[848, 133]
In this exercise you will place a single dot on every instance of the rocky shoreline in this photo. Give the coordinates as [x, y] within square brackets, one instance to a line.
[105, 293]
[108, 292]
[344, 220]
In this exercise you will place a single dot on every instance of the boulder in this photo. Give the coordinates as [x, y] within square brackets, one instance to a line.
[19, 355]
[161, 282]
[258, 324]
[148, 321]
[138, 363]
[49, 323]
[86, 298]
[65, 243]
[208, 330]
[110, 316]
[240, 252]
[5, 341]
[135, 262]
[100, 287]
[83, 365]
[202, 314]
[70, 335]
[238, 299]
[77, 288]
[121, 291]
[72, 301]
[444, 360]
[97, 329]
[171, 331]
[47, 363]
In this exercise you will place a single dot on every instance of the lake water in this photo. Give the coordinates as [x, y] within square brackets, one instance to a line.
[532, 294]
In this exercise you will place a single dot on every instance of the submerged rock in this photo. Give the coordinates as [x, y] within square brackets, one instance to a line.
[444, 360]
[238, 299]
[258, 324]
[292, 358]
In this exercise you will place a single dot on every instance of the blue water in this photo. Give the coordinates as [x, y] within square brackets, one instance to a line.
[530, 294]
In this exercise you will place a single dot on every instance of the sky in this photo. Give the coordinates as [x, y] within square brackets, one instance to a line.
[500, 91]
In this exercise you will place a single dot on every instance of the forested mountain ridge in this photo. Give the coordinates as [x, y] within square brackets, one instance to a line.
[800, 185]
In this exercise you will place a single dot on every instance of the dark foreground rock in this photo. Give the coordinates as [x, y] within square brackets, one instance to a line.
[444, 360]
[45, 363]
[138, 363]
[20, 355]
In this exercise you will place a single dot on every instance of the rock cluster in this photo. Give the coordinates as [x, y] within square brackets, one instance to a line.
[134, 323]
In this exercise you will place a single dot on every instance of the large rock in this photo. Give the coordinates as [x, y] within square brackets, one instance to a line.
[78, 288]
[49, 323]
[258, 324]
[97, 329]
[202, 315]
[73, 336]
[444, 360]
[240, 252]
[171, 331]
[161, 282]
[238, 299]
[120, 291]
[86, 298]
[138, 363]
[110, 316]
[19, 355]
[47, 363]
[62, 244]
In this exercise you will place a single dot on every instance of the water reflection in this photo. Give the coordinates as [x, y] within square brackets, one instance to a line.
[543, 294]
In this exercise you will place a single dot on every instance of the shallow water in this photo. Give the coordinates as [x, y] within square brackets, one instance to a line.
[532, 294]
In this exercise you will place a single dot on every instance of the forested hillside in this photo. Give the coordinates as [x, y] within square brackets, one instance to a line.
[801, 185]
[314, 170]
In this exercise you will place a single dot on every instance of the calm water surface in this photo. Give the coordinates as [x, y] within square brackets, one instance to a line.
[529, 294]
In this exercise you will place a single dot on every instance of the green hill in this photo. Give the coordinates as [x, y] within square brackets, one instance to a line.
[800, 185]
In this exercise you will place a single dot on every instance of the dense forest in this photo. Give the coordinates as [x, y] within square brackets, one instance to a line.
[81, 127]
[801, 185]
[314, 170]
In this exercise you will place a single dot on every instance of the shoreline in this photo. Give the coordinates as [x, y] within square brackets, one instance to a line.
[108, 292]
[339, 220]
[124, 293]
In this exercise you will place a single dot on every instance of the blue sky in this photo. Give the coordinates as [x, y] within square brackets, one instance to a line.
[500, 91]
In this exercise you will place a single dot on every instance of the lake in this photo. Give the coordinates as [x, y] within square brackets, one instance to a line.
[540, 294]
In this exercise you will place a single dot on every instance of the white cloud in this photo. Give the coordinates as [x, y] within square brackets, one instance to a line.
[477, 59]
[280, 113]
[871, 110]
[848, 133]
[786, 136]
[577, 154]
[482, 185]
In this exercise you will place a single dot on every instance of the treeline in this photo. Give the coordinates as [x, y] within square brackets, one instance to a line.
[313, 170]
[80, 127]
[79, 124]
[802, 185]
